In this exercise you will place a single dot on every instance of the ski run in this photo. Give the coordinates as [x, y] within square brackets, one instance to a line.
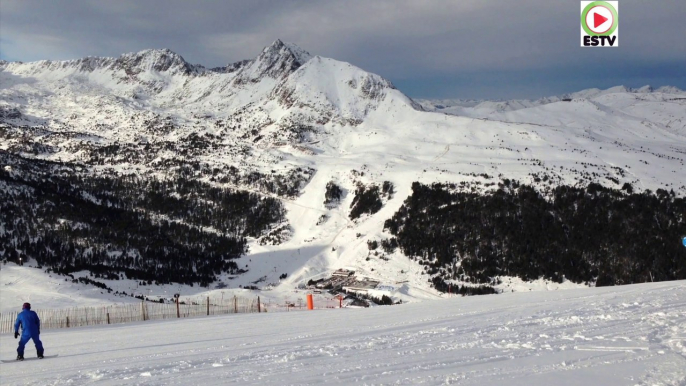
[625, 335]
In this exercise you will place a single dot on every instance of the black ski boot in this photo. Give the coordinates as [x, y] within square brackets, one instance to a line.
[40, 356]
[20, 357]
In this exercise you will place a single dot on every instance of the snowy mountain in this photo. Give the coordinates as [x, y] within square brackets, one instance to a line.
[485, 108]
[276, 61]
[246, 155]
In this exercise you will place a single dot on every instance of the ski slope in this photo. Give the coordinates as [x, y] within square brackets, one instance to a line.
[43, 290]
[628, 335]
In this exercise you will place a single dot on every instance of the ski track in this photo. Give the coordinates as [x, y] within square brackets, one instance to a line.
[612, 336]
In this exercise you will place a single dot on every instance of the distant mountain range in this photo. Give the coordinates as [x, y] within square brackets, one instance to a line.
[483, 108]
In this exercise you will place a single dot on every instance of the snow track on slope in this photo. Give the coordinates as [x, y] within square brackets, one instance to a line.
[610, 336]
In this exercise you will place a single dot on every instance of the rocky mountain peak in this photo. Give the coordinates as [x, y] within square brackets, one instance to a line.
[157, 60]
[288, 50]
[276, 61]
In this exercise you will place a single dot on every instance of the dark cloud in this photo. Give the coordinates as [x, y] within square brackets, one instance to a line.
[434, 48]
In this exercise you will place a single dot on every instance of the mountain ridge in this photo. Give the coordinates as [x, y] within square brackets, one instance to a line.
[516, 104]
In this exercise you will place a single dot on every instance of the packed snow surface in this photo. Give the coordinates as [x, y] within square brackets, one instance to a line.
[628, 335]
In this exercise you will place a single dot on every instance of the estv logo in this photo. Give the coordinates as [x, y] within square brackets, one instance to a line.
[599, 22]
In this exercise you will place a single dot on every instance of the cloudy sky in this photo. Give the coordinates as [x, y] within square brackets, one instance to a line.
[428, 48]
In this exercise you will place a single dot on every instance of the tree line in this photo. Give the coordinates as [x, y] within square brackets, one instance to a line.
[590, 234]
[174, 230]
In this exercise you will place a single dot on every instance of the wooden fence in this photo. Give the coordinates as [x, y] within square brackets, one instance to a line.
[88, 316]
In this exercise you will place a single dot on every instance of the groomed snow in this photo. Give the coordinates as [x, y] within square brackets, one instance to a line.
[629, 335]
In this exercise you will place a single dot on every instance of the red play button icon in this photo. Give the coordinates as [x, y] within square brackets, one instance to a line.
[598, 20]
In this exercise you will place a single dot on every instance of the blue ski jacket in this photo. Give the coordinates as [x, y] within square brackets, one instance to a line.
[29, 322]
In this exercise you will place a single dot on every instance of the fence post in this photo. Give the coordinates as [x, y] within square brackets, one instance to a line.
[235, 304]
[258, 305]
[108, 318]
[143, 310]
[208, 306]
[178, 312]
[67, 321]
[310, 302]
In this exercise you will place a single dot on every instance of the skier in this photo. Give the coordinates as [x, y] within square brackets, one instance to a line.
[30, 329]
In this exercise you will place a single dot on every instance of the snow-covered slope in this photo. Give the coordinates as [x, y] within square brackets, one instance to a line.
[287, 123]
[629, 335]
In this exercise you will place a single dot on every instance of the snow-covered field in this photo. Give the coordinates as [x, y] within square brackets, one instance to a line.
[27, 284]
[50, 291]
[629, 335]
